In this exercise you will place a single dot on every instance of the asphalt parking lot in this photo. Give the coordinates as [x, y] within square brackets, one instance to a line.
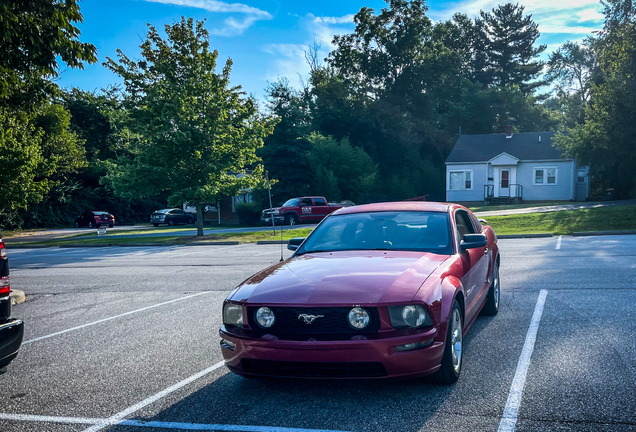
[126, 339]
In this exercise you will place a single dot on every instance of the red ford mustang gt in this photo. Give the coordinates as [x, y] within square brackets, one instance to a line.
[375, 291]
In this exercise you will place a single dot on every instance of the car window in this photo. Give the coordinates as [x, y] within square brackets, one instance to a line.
[306, 202]
[464, 224]
[179, 212]
[319, 202]
[292, 202]
[408, 231]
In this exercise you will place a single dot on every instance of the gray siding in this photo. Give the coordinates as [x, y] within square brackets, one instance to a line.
[562, 191]
[479, 179]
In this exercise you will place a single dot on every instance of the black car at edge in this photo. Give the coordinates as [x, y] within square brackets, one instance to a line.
[11, 329]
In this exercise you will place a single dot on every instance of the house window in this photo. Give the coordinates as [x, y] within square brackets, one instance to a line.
[545, 176]
[460, 180]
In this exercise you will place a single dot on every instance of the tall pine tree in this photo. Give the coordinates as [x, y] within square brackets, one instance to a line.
[511, 52]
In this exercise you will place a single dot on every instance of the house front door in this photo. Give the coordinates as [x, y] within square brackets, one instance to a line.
[504, 182]
[504, 177]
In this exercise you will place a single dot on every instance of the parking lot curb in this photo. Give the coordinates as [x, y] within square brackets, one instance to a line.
[271, 242]
[88, 245]
[26, 246]
[145, 244]
[600, 233]
[17, 297]
[518, 236]
[221, 243]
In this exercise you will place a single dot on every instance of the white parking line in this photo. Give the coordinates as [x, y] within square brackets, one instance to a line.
[509, 418]
[558, 245]
[113, 317]
[120, 416]
[156, 424]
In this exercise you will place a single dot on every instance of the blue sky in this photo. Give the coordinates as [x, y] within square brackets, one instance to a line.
[266, 39]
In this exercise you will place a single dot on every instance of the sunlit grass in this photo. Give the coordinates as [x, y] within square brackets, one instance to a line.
[484, 208]
[567, 221]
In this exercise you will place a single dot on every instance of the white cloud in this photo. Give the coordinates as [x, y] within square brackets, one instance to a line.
[335, 20]
[232, 26]
[290, 62]
[216, 6]
[590, 15]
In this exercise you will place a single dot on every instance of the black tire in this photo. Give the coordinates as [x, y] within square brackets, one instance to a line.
[190, 221]
[291, 219]
[77, 225]
[110, 225]
[449, 373]
[491, 307]
[171, 222]
[156, 224]
[91, 225]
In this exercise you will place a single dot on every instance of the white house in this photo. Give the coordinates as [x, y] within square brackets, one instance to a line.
[509, 168]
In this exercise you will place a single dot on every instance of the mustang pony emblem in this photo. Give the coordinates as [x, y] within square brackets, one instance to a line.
[309, 319]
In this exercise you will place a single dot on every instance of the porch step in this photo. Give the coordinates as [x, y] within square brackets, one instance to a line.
[500, 201]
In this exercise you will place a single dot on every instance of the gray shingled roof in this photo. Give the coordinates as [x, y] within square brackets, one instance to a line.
[523, 146]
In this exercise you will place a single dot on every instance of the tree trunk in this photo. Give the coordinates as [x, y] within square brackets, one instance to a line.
[199, 219]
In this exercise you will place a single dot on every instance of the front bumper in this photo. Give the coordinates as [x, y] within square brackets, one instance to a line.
[11, 334]
[268, 219]
[349, 359]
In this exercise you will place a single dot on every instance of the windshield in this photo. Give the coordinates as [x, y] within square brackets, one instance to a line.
[291, 203]
[100, 213]
[163, 210]
[407, 231]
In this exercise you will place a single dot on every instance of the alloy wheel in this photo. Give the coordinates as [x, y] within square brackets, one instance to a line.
[456, 339]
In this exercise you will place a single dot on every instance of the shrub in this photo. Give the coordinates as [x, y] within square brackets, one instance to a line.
[248, 213]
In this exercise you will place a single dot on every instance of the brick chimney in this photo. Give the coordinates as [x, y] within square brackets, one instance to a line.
[508, 131]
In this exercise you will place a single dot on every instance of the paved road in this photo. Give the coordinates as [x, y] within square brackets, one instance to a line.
[151, 318]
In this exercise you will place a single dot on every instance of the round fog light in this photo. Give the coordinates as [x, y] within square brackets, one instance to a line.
[265, 317]
[359, 318]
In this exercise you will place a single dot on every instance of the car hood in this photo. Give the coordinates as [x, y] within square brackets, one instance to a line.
[341, 278]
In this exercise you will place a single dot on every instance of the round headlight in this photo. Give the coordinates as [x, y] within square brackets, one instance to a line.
[359, 318]
[265, 317]
[414, 315]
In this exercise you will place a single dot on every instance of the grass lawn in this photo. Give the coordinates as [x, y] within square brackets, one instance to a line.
[484, 208]
[112, 239]
[559, 222]
[151, 230]
[567, 221]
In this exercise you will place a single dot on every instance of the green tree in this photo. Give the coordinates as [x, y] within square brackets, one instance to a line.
[284, 152]
[196, 129]
[34, 35]
[512, 54]
[342, 171]
[605, 140]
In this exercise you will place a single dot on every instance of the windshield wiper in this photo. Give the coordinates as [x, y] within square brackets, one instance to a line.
[313, 251]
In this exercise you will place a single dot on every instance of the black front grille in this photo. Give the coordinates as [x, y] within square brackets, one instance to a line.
[334, 320]
[314, 369]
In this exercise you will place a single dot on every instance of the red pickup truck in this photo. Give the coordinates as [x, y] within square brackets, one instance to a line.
[303, 209]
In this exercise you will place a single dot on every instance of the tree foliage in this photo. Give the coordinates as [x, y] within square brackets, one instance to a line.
[34, 35]
[606, 138]
[196, 130]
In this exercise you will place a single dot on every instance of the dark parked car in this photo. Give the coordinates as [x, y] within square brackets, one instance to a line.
[95, 219]
[382, 290]
[171, 217]
[11, 329]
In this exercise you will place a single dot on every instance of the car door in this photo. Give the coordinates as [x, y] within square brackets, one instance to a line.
[475, 262]
[180, 216]
[306, 209]
[320, 209]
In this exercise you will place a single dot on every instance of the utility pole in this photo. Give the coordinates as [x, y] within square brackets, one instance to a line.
[271, 209]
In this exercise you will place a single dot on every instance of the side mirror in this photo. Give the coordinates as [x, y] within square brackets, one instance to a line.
[294, 243]
[473, 241]
[483, 221]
